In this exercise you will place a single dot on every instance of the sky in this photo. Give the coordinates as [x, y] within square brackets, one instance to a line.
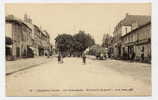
[96, 19]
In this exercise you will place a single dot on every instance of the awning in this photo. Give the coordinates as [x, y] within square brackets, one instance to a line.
[10, 46]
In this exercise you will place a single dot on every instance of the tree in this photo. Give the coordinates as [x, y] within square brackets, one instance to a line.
[64, 42]
[77, 43]
[82, 41]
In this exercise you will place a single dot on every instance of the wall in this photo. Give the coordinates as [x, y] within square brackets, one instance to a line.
[126, 29]
[8, 30]
[138, 39]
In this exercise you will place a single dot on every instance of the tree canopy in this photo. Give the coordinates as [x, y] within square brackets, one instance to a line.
[76, 43]
[83, 41]
[64, 42]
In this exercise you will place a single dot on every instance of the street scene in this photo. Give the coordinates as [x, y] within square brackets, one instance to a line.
[53, 79]
[78, 50]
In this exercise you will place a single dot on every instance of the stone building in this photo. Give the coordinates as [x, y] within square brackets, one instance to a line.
[46, 42]
[40, 38]
[138, 42]
[24, 39]
[37, 41]
[126, 25]
[19, 33]
[41, 41]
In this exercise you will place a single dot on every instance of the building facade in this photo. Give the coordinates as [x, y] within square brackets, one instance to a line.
[136, 45]
[125, 26]
[19, 33]
[24, 39]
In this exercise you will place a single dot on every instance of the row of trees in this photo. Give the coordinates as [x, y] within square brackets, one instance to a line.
[74, 44]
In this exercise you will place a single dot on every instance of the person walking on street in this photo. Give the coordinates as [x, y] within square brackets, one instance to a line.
[133, 56]
[142, 54]
[59, 58]
[47, 54]
[84, 58]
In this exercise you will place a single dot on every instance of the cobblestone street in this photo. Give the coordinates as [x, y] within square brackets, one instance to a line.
[72, 78]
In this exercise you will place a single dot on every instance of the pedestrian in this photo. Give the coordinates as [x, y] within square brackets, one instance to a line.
[84, 58]
[59, 58]
[132, 56]
[47, 54]
[142, 54]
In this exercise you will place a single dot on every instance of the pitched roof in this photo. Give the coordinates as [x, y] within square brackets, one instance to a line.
[130, 19]
[11, 18]
[46, 33]
[31, 26]
[142, 26]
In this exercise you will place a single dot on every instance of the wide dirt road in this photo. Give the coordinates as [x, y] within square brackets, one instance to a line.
[72, 78]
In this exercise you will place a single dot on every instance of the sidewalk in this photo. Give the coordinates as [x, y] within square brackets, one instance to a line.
[22, 64]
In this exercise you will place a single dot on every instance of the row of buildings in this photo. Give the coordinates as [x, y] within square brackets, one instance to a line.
[132, 38]
[24, 39]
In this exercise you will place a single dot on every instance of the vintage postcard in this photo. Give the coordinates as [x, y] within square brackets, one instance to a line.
[78, 49]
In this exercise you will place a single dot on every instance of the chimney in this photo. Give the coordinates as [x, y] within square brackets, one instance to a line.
[29, 20]
[25, 17]
[11, 16]
[127, 14]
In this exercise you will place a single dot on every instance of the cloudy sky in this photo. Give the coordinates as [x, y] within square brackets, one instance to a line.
[95, 19]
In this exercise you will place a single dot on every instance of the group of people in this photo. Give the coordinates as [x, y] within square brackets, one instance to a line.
[60, 59]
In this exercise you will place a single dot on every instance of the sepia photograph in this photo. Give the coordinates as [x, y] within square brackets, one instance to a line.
[78, 49]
